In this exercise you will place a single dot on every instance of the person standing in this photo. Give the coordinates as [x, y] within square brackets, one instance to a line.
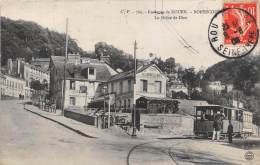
[230, 132]
[216, 129]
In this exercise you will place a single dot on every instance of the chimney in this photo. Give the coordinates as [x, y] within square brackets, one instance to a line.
[10, 66]
[18, 66]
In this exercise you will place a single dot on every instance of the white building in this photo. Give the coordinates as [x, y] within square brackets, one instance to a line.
[11, 86]
[29, 72]
[176, 86]
[215, 87]
[150, 82]
[82, 81]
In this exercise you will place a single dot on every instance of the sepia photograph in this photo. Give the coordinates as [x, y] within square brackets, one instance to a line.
[129, 82]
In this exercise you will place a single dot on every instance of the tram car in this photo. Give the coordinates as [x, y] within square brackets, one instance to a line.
[240, 119]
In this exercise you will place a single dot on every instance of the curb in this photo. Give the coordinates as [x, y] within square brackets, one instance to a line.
[64, 125]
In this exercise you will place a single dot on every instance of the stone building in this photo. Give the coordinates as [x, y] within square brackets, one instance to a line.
[150, 82]
[83, 81]
[11, 86]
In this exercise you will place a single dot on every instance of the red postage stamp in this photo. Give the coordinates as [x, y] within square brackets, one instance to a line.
[239, 26]
[233, 31]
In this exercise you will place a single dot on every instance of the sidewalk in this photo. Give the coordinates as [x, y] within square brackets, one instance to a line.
[90, 131]
[78, 127]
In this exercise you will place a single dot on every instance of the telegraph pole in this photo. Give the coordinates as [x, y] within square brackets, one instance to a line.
[134, 106]
[64, 69]
[1, 52]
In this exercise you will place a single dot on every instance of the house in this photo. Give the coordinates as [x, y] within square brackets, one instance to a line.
[229, 87]
[41, 62]
[149, 82]
[37, 70]
[11, 86]
[215, 87]
[82, 81]
[176, 86]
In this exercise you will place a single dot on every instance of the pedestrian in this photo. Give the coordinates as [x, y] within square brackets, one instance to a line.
[230, 132]
[216, 129]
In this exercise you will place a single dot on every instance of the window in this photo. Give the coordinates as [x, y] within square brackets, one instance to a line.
[125, 104]
[72, 101]
[144, 85]
[129, 85]
[129, 102]
[112, 87]
[121, 86]
[91, 71]
[158, 86]
[72, 85]
[83, 89]
[120, 103]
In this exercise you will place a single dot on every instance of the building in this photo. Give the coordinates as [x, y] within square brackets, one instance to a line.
[33, 73]
[83, 81]
[2, 81]
[176, 86]
[11, 86]
[215, 87]
[150, 82]
[229, 87]
[41, 62]
[187, 107]
[37, 70]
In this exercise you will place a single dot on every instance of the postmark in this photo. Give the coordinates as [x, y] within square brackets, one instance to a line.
[233, 32]
[249, 155]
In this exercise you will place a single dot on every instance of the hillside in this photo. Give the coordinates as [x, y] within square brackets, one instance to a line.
[243, 72]
[26, 39]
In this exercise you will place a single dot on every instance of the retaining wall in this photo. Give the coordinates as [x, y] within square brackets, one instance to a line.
[90, 120]
[167, 124]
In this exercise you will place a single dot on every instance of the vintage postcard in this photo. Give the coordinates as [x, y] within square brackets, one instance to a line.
[129, 82]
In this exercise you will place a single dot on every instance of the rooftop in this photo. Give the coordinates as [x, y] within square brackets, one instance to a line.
[130, 74]
[77, 71]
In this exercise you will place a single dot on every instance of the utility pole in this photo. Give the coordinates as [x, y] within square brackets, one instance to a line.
[1, 52]
[108, 110]
[134, 106]
[64, 69]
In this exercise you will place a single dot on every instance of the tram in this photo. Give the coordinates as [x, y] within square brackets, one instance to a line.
[240, 119]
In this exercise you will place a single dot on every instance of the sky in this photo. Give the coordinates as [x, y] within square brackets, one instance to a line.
[92, 21]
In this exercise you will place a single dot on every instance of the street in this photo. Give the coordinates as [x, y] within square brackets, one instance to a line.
[27, 139]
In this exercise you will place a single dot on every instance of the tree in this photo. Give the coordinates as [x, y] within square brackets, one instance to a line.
[118, 58]
[170, 65]
[190, 79]
[36, 85]
[248, 75]
[196, 95]
[179, 95]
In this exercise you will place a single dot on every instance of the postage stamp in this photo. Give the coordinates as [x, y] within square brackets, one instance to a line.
[233, 31]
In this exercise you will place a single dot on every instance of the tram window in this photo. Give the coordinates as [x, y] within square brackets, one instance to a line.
[226, 113]
[236, 116]
[229, 114]
[240, 115]
[199, 114]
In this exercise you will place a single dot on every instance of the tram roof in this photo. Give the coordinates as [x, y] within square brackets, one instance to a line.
[214, 105]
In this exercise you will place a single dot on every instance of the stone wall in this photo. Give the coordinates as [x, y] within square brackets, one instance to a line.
[167, 124]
